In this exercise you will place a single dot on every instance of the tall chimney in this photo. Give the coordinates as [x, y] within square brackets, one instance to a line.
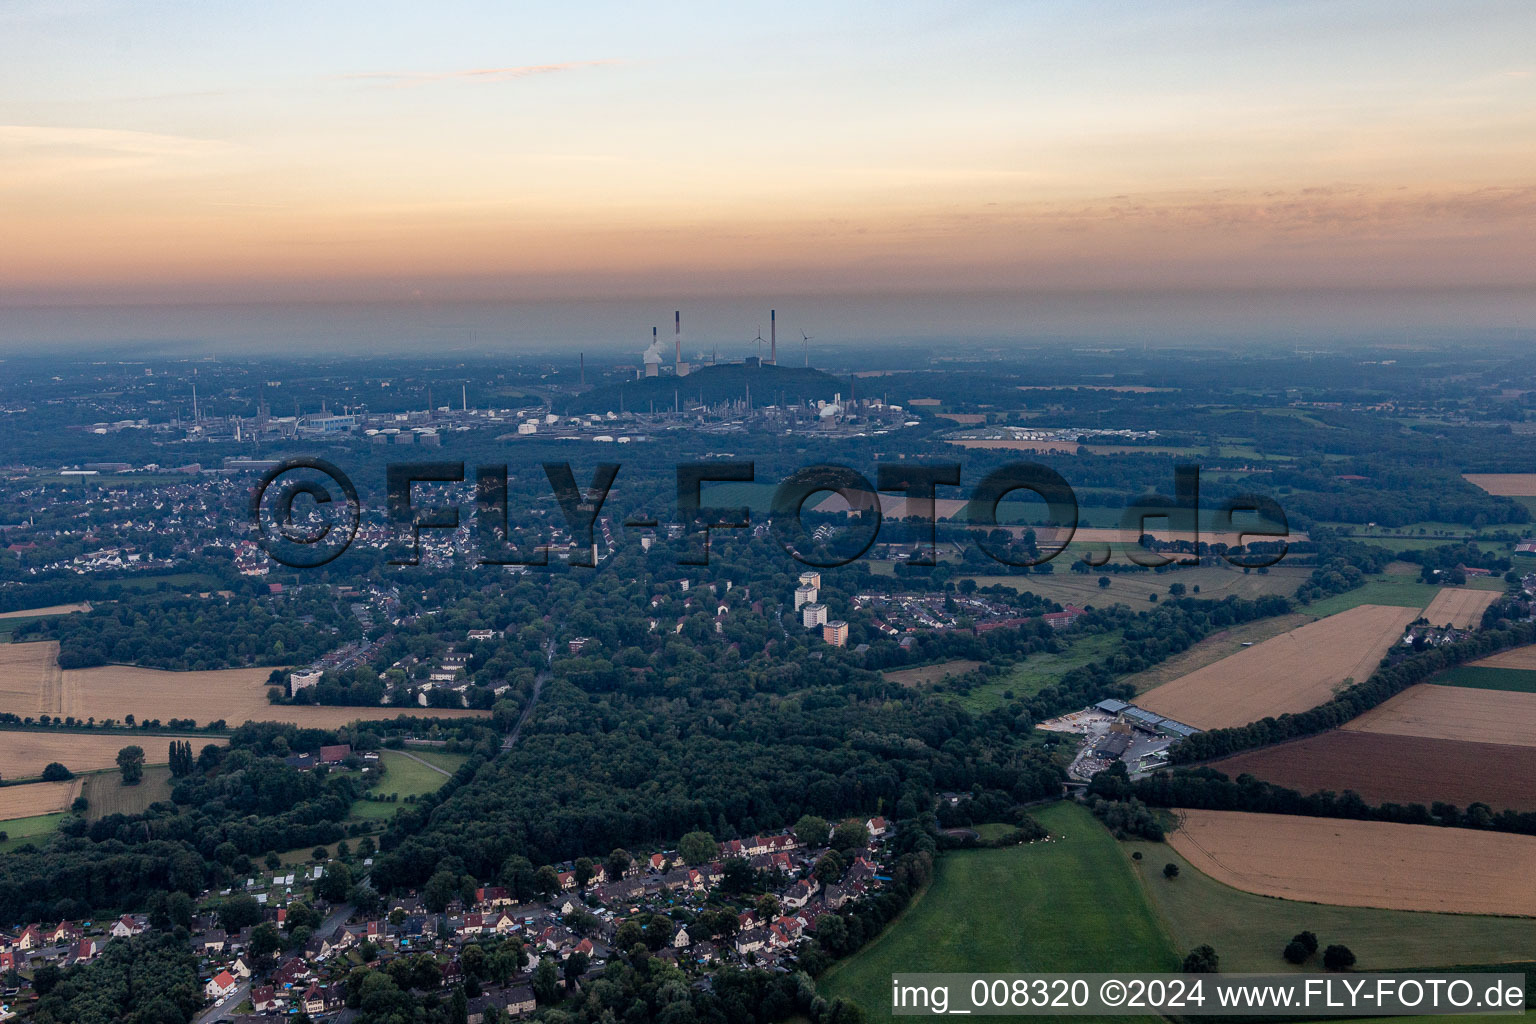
[773, 336]
[677, 335]
[583, 380]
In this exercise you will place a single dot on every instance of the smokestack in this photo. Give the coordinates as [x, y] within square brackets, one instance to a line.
[773, 336]
[583, 382]
[464, 396]
[677, 335]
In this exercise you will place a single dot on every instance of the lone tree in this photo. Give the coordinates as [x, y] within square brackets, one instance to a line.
[56, 772]
[130, 760]
[1170, 870]
[1301, 947]
[1202, 960]
[1338, 958]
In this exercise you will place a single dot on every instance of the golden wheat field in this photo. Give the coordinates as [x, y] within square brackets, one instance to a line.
[30, 680]
[1455, 713]
[24, 754]
[36, 798]
[53, 609]
[31, 683]
[1509, 485]
[1293, 672]
[1463, 609]
[1518, 657]
[236, 695]
[1362, 863]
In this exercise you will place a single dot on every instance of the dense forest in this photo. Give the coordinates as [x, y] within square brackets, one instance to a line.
[194, 633]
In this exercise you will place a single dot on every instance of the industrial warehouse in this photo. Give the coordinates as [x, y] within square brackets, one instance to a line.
[1114, 730]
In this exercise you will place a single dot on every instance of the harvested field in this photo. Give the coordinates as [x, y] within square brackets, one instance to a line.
[34, 798]
[105, 793]
[924, 674]
[1399, 769]
[1516, 657]
[1291, 673]
[24, 754]
[1463, 609]
[30, 680]
[1063, 447]
[31, 683]
[234, 695]
[1214, 648]
[1363, 863]
[1454, 713]
[1510, 485]
[53, 609]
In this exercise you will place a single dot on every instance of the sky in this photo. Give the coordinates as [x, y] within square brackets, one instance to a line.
[381, 156]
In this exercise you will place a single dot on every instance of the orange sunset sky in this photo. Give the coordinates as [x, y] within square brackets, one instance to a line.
[172, 153]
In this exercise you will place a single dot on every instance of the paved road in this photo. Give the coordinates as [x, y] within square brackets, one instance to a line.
[336, 917]
[214, 1013]
[538, 688]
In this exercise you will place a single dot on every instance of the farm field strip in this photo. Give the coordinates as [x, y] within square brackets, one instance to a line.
[1395, 590]
[1507, 485]
[921, 675]
[1214, 648]
[1363, 863]
[1291, 673]
[1399, 769]
[1067, 904]
[1249, 931]
[25, 674]
[1454, 713]
[1214, 583]
[105, 793]
[32, 799]
[1460, 608]
[1483, 677]
[53, 609]
[1515, 657]
[35, 830]
[24, 753]
[31, 683]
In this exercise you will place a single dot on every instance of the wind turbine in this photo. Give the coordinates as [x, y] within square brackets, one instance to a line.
[805, 346]
[759, 343]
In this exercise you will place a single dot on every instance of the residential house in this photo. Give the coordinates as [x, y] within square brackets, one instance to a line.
[221, 985]
[312, 1001]
[492, 897]
[214, 941]
[126, 927]
[264, 999]
[516, 1001]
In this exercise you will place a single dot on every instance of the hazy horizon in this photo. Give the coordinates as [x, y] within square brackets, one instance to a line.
[386, 157]
[619, 326]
